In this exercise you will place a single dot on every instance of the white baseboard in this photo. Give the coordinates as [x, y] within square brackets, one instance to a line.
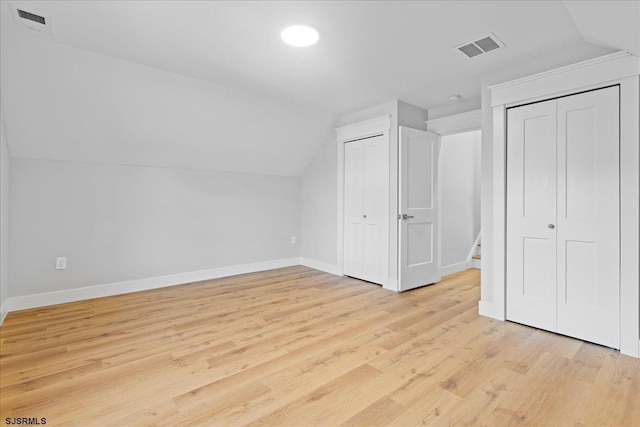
[632, 351]
[110, 289]
[319, 265]
[4, 310]
[489, 309]
[453, 268]
[392, 285]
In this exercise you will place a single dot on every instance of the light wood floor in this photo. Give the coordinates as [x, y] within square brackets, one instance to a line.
[297, 347]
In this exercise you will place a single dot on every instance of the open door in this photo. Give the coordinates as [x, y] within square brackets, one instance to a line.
[417, 218]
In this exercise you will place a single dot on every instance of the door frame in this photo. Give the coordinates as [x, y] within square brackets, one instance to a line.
[618, 68]
[377, 126]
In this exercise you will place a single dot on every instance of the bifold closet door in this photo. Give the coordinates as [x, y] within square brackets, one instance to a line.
[531, 211]
[563, 218]
[366, 212]
[589, 216]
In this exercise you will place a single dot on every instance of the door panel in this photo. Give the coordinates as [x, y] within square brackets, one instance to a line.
[366, 194]
[535, 280]
[419, 253]
[353, 208]
[531, 207]
[418, 261]
[589, 216]
[375, 210]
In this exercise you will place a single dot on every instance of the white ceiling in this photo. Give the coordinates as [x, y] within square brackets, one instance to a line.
[614, 24]
[369, 52]
[210, 85]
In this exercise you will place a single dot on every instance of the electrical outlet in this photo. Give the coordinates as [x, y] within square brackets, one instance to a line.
[61, 263]
[293, 240]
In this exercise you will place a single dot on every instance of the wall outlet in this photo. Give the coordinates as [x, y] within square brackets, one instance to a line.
[61, 263]
[293, 240]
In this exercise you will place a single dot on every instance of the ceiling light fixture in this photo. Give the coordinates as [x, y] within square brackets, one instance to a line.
[454, 98]
[299, 36]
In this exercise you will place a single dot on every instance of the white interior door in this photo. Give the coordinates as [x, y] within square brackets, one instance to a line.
[418, 193]
[366, 206]
[531, 211]
[589, 216]
[563, 216]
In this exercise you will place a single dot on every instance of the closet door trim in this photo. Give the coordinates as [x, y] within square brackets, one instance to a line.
[616, 69]
[377, 126]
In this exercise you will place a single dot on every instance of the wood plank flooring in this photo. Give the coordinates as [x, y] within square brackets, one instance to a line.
[298, 347]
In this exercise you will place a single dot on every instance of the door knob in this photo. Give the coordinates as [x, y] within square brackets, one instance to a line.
[405, 216]
[551, 226]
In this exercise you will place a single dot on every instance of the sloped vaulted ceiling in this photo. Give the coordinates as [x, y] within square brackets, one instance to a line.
[209, 85]
[612, 24]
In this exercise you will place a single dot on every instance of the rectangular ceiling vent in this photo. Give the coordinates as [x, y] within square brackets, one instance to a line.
[31, 19]
[482, 45]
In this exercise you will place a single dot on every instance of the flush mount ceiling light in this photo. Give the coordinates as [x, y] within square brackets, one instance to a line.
[299, 36]
[454, 98]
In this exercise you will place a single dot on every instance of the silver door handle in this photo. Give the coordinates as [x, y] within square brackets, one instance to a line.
[551, 226]
[405, 216]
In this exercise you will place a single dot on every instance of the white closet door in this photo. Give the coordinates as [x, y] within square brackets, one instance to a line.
[418, 255]
[531, 211]
[563, 216]
[375, 231]
[589, 216]
[366, 206]
[353, 207]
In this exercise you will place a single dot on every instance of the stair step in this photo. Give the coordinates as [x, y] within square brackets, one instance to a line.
[476, 257]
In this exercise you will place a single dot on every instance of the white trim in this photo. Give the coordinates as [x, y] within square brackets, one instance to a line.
[453, 268]
[458, 123]
[340, 209]
[489, 309]
[363, 129]
[319, 265]
[629, 215]
[618, 68]
[118, 288]
[499, 215]
[570, 78]
[4, 310]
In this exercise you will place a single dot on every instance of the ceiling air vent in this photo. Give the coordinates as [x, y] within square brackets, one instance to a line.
[483, 45]
[31, 19]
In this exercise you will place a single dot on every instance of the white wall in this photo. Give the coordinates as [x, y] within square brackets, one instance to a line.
[318, 204]
[4, 221]
[459, 197]
[65, 103]
[117, 223]
[454, 108]
[412, 116]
